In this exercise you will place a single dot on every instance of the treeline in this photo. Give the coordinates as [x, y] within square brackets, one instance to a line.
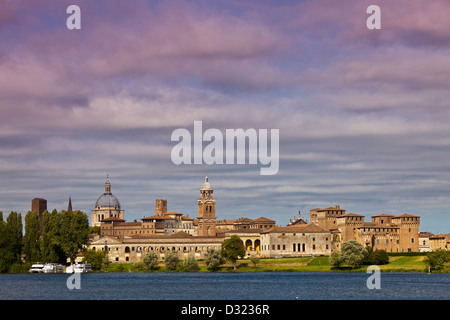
[64, 234]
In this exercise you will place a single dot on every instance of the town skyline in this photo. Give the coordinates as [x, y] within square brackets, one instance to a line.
[232, 215]
[362, 114]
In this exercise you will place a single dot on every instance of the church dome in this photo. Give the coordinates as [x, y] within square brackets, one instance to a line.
[107, 200]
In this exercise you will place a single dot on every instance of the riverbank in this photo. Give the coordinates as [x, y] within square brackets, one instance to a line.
[302, 264]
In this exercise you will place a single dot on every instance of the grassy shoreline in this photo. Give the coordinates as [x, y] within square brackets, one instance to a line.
[302, 264]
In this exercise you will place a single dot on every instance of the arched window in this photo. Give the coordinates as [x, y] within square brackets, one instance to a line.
[248, 245]
[257, 244]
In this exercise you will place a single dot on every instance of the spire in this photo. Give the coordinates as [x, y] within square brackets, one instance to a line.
[69, 207]
[206, 185]
[107, 185]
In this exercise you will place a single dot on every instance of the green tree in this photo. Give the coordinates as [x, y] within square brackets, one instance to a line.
[51, 250]
[190, 264]
[14, 227]
[232, 249]
[6, 254]
[74, 233]
[369, 259]
[335, 259]
[380, 257]
[213, 259]
[150, 260]
[353, 253]
[95, 230]
[96, 258]
[31, 239]
[171, 260]
[254, 260]
[437, 260]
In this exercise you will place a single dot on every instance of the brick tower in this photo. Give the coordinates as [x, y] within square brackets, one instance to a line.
[206, 211]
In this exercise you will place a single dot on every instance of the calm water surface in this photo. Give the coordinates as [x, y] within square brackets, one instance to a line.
[225, 286]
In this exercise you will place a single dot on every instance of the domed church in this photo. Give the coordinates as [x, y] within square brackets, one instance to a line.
[106, 206]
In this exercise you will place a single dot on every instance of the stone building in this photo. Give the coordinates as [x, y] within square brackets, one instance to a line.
[440, 241]
[326, 218]
[297, 240]
[424, 241]
[385, 232]
[134, 249]
[164, 231]
[260, 223]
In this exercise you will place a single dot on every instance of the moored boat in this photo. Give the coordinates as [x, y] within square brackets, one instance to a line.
[79, 268]
[37, 268]
[53, 268]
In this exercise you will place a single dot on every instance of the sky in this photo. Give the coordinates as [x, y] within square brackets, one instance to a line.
[362, 114]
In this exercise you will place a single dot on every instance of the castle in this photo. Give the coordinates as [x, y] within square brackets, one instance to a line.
[166, 231]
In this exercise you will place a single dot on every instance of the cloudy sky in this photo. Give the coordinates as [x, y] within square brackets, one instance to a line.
[363, 114]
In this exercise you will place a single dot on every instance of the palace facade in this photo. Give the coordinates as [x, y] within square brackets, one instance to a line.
[167, 231]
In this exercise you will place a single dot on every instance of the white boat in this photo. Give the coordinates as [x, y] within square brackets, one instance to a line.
[79, 268]
[53, 268]
[37, 268]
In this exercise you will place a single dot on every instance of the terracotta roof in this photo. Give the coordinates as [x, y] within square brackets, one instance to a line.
[383, 215]
[243, 220]
[350, 215]
[180, 234]
[329, 208]
[296, 228]
[262, 219]
[406, 215]
[244, 230]
[155, 217]
[225, 221]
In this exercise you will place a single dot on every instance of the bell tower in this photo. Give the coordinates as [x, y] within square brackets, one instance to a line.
[206, 211]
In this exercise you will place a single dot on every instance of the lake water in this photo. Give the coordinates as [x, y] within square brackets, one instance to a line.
[225, 286]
